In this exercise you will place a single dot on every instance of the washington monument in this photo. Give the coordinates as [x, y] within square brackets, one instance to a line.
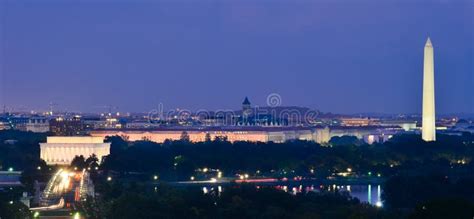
[428, 132]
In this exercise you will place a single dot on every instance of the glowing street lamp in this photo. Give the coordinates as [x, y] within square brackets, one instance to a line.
[109, 178]
[378, 204]
[77, 215]
[155, 177]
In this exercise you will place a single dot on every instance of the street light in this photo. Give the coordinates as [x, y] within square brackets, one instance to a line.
[77, 215]
[109, 178]
[155, 177]
[379, 204]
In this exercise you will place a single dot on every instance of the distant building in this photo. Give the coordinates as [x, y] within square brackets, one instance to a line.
[464, 126]
[359, 122]
[62, 149]
[4, 125]
[101, 123]
[67, 126]
[37, 124]
[232, 134]
[10, 178]
[141, 125]
[16, 122]
[10, 141]
[247, 133]
[377, 138]
[404, 124]
[246, 106]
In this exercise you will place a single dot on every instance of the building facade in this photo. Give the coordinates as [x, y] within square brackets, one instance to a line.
[67, 126]
[61, 150]
[37, 124]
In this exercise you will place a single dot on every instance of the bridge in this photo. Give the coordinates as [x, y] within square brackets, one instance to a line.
[63, 191]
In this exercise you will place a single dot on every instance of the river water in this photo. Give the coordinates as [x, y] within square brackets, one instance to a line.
[367, 193]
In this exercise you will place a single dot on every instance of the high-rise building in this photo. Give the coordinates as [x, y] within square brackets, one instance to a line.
[428, 130]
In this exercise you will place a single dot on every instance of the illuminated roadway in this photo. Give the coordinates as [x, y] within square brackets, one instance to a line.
[63, 190]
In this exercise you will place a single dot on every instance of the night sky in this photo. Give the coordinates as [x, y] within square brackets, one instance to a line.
[335, 56]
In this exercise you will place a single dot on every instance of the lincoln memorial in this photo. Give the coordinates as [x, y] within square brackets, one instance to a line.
[61, 149]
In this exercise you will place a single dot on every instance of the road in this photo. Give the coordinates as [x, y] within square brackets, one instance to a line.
[64, 189]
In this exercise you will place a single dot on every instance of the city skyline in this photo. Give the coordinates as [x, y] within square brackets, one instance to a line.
[135, 58]
[236, 109]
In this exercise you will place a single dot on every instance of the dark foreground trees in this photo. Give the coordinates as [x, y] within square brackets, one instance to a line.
[244, 201]
[10, 206]
[408, 191]
[177, 160]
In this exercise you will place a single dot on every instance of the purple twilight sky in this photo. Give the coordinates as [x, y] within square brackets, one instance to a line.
[341, 56]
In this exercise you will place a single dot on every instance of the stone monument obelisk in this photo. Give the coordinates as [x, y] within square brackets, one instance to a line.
[428, 130]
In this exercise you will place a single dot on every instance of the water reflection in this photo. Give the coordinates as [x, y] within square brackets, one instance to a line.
[365, 193]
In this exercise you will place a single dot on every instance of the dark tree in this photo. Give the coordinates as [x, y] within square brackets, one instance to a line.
[184, 137]
[79, 162]
[208, 138]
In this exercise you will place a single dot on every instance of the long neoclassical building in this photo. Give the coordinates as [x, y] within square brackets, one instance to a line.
[232, 134]
[253, 134]
[62, 149]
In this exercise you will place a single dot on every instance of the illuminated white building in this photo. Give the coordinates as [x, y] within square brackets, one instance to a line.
[377, 138]
[62, 150]
[251, 134]
[428, 131]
